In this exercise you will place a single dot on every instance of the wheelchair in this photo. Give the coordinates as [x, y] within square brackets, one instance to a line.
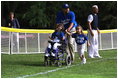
[60, 58]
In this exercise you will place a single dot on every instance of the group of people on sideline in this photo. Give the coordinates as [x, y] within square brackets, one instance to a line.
[72, 32]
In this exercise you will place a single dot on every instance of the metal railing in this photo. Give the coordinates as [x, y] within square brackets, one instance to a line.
[32, 43]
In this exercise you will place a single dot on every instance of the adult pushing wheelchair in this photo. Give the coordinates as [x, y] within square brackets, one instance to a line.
[58, 58]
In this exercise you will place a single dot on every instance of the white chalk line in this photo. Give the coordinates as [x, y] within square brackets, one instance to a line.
[54, 70]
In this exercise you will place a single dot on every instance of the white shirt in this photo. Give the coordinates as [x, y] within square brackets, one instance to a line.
[55, 39]
[90, 18]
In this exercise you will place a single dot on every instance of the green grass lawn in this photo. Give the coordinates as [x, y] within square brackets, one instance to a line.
[13, 66]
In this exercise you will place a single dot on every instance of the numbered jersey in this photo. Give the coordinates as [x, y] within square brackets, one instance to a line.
[80, 38]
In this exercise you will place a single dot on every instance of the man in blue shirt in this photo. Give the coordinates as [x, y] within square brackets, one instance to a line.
[67, 17]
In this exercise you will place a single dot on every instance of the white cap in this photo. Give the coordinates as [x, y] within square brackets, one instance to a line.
[95, 6]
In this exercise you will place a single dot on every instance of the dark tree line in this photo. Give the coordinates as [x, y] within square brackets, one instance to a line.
[42, 14]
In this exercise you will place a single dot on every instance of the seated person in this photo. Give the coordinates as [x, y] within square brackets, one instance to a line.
[56, 37]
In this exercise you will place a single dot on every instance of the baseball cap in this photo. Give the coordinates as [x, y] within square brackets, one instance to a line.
[65, 6]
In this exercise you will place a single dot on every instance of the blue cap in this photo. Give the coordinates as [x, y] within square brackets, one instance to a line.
[65, 6]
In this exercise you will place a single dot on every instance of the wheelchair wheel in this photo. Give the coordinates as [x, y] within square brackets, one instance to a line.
[52, 60]
[68, 60]
[59, 64]
[46, 62]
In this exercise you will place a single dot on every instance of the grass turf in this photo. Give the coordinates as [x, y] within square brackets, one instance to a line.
[13, 66]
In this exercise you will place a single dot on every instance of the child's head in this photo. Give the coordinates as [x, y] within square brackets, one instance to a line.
[79, 29]
[11, 14]
[59, 27]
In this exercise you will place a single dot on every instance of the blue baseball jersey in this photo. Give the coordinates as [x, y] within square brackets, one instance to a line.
[80, 38]
[66, 19]
[58, 36]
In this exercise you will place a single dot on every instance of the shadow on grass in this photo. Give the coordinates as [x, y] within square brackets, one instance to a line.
[23, 62]
[33, 64]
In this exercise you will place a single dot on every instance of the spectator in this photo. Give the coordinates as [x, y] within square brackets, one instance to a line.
[93, 32]
[13, 23]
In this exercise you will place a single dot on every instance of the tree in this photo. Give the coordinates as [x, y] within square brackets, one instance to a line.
[42, 14]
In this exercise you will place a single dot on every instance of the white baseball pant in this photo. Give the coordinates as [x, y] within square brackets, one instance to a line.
[54, 46]
[93, 48]
[81, 49]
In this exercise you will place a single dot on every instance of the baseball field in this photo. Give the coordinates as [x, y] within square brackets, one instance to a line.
[32, 66]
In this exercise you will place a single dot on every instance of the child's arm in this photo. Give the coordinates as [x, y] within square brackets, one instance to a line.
[88, 43]
[50, 36]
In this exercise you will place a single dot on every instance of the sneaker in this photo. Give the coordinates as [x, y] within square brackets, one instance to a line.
[47, 54]
[97, 56]
[91, 57]
[53, 54]
[83, 61]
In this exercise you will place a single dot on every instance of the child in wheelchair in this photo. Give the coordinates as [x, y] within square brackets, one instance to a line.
[56, 45]
[57, 38]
